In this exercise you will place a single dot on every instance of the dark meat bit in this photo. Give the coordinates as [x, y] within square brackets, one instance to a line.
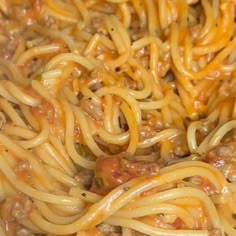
[109, 230]
[223, 157]
[13, 22]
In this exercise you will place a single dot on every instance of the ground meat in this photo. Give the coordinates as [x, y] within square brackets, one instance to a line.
[223, 157]
[11, 22]
[2, 119]
[215, 232]
[108, 230]
[24, 232]
[13, 210]
[21, 208]
[7, 48]
[92, 108]
[146, 132]
[85, 178]
[17, 207]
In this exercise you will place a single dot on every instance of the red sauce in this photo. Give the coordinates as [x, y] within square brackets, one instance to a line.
[23, 171]
[94, 231]
[113, 171]
[178, 224]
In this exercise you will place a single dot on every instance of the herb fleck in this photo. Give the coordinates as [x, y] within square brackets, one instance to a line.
[98, 182]
[160, 214]
[38, 77]
[126, 188]
[234, 216]
[188, 119]
[117, 69]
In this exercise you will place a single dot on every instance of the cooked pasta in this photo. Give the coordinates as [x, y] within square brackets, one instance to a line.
[117, 117]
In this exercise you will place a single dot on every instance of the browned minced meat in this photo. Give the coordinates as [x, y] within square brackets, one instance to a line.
[10, 26]
[92, 109]
[7, 42]
[109, 230]
[223, 157]
[215, 232]
[13, 21]
[13, 210]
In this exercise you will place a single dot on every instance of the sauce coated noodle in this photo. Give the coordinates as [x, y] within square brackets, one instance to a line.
[117, 117]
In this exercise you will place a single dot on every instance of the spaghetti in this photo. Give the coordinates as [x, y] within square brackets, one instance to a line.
[117, 117]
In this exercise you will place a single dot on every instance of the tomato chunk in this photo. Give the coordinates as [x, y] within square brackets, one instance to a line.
[113, 171]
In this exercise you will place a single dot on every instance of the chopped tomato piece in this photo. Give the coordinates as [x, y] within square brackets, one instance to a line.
[113, 171]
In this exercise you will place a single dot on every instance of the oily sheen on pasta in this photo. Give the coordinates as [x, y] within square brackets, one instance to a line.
[117, 117]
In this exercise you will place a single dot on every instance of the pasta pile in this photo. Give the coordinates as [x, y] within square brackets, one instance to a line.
[117, 117]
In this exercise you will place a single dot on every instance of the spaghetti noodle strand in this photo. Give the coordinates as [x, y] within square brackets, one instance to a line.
[117, 117]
